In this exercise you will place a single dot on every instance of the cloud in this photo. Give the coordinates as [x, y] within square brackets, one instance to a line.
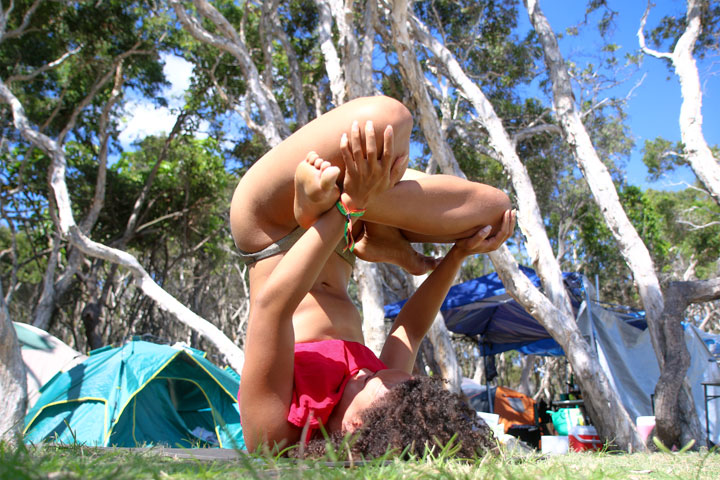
[178, 71]
[143, 118]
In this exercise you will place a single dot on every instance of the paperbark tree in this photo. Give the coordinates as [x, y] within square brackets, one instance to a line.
[697, 152]
[553, 310]
[273, 127]
[12, 379]
[631, 245]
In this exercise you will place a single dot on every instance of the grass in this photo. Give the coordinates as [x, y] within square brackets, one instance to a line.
[79, 462]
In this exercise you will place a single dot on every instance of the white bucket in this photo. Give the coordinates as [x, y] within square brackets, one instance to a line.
[554, 444]
[645, 425]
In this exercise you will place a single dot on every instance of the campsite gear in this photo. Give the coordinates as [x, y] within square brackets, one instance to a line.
[565, 418]
[513, 408]
[645, 425]
[554, 444]
[584, 438]
[139, 394]
[44, 356]
[482, 309]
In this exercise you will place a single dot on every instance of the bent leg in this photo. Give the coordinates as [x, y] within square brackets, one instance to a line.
[262, 207]
[439, 208]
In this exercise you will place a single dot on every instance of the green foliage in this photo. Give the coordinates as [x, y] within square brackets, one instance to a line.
[58, 27]
[671, 27]
[689, 223]
[600, 252]
[661, 156]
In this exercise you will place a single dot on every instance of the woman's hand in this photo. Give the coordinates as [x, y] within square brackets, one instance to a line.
[365, 174]
[481, 243]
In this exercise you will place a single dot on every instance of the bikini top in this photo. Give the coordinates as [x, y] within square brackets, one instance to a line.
[285, 243]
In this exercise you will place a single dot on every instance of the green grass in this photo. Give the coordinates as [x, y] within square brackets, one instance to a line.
[78, 462]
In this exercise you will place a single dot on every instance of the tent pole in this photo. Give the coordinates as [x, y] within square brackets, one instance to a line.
[589, 312]
[491, 407]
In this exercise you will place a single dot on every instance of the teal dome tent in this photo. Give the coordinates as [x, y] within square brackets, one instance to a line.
[139, 394]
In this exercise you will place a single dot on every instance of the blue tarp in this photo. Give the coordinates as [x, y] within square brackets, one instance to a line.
[481, 307]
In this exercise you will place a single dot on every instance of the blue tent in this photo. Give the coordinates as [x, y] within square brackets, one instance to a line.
[139, 394]
[482, 308]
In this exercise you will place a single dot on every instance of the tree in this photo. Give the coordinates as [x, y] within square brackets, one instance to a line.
[697, 151]
[12, 379]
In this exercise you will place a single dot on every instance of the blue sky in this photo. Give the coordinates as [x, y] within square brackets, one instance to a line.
[654, 107]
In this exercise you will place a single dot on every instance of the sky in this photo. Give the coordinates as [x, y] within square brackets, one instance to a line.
[653, 107]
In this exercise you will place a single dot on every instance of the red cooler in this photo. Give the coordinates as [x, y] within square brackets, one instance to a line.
[584, 438]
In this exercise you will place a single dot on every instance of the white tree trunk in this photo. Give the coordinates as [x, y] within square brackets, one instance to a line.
[67, 226]
[443, 350]
[596, 174]
[697, 152]
[415, 80]
[529, 217]
[13, 382]
[332, 62]
[600, 398]
[554, 313]
[371, 296]
[274, 127]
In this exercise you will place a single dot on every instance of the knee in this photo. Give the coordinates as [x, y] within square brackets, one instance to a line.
[384, 111]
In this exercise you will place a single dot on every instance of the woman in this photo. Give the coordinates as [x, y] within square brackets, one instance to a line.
[306, 366]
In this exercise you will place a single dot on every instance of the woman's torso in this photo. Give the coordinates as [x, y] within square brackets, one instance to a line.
[326, 312]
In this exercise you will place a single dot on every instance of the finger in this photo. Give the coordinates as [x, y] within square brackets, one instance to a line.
[398, 169]
[508, 224]
[347, 155]
[388, 157]
[370, 145]
[356, 147]
[311, 158]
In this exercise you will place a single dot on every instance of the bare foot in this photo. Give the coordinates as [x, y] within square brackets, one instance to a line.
[316, 189]
[381, 243]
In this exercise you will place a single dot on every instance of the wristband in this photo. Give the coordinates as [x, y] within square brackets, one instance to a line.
[348, 214]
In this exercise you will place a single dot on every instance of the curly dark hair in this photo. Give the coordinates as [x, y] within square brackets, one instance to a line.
[415, 416]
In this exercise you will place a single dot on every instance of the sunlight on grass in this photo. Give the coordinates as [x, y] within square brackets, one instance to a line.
[71, 462]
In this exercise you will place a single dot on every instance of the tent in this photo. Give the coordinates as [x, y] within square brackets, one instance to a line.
[139, 394]
[481, 308]
[44, 356]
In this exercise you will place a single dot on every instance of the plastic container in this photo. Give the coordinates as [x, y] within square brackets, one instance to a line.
[566, 418]
[584, 438]
[645, 425]
[554, 444]
[491, 419]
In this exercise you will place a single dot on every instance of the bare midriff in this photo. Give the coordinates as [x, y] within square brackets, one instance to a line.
[326, 312]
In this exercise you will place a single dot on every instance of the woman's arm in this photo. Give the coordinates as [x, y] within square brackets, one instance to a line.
[417, 315]
[267, 376]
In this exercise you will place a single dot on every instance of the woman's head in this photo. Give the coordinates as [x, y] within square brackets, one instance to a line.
[362, 391]
[413, 415]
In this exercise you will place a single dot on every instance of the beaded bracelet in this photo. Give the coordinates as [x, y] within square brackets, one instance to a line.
[348, 214]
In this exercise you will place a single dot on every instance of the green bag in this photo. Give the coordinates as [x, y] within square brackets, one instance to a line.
[565, 418]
